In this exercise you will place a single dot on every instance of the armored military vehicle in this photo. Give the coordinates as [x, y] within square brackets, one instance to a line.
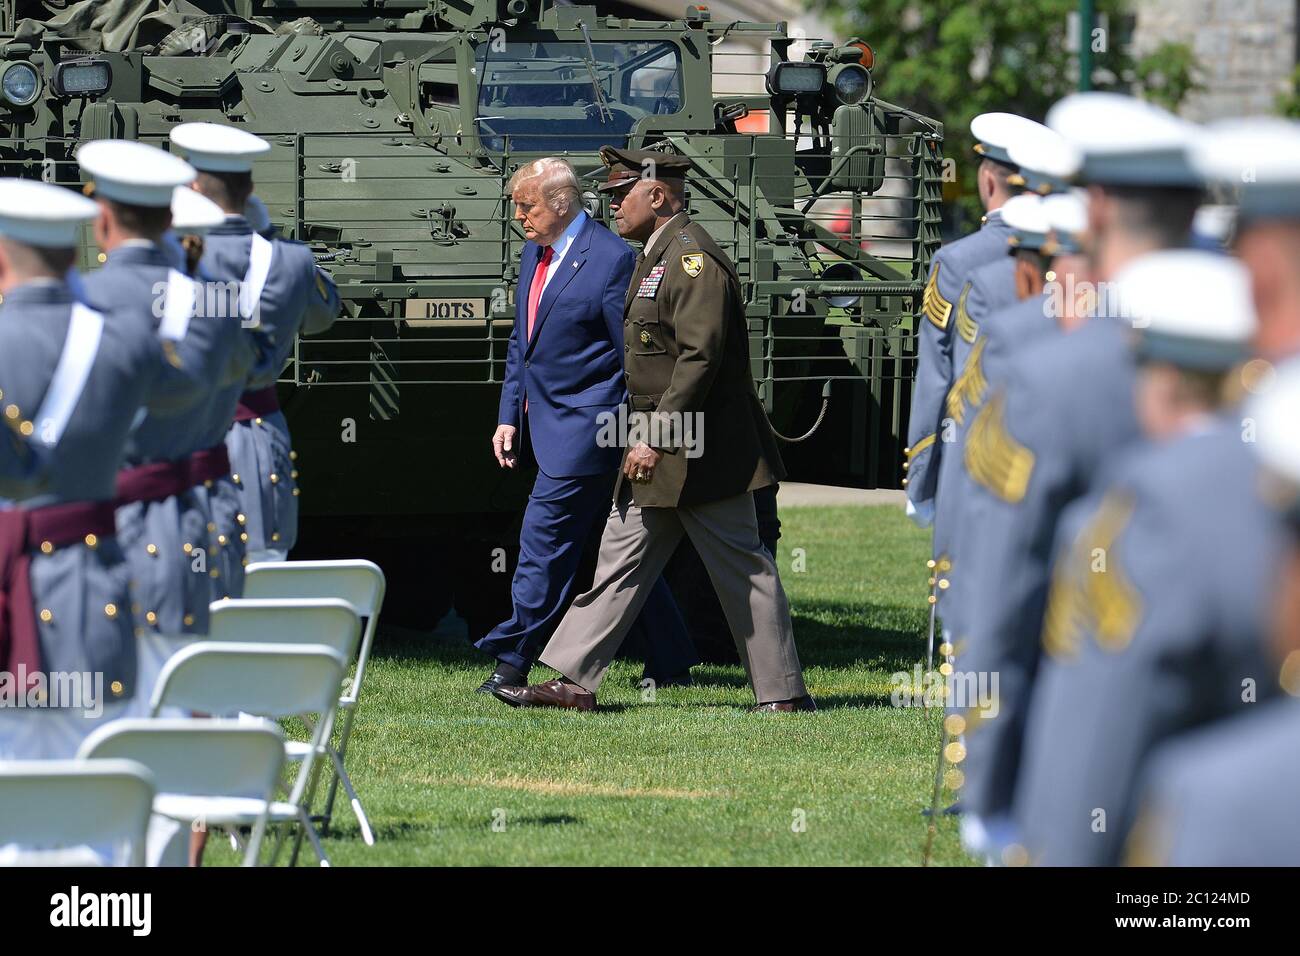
[395, 127]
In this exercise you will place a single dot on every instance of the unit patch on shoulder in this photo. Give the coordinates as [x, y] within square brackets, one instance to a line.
[322, 286]
[693, 264]
[933, 304]
[649, 286]
[967, 327]
[993, 458]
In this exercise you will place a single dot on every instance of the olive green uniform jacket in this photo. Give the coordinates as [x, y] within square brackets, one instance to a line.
[687, 358]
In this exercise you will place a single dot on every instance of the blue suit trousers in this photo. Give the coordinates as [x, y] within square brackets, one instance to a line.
[561, 515]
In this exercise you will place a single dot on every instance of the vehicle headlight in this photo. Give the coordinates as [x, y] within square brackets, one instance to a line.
[852, 83]
[796, 79]
[20, 84]
[83, 78]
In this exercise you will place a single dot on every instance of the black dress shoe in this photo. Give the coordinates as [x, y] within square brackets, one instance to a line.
[785, 706]
[498, 679]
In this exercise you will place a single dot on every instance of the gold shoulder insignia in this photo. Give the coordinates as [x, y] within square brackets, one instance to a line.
[968, 390]
[933, 304]
[1090, 592]
[993, 458]
[967, 327]
[322, 286]
[693, 264]
[169, 351]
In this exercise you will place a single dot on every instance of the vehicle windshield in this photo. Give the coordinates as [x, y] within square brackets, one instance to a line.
[554, 96]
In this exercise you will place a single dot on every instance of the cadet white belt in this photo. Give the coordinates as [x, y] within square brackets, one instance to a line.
[259, 267]
[85, 329]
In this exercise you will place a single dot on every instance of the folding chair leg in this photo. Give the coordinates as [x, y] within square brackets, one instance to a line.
[255, 841]
[342, 751]
[280, 830]
[310, 832]
[342, 775]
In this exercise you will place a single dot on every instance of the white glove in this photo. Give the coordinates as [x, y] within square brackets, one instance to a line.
[922, 516]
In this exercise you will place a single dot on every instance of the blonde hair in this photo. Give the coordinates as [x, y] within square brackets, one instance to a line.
[559, 183]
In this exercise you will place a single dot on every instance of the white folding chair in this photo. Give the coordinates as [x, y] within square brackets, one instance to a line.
[227, 679]
[359, 583]
[69, 803]
[219, 772]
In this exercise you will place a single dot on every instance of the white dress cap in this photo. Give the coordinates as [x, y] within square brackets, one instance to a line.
[134, 173]
[1191, 308]
[1028, 222]
[42, 214]
[1126, 141]
[995, 132]
[1260, 157]
[1047, 160]
[219, 149]
[194, 213]
[1067, 218]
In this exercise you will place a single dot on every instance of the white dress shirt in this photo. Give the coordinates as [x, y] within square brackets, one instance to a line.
[562, 245]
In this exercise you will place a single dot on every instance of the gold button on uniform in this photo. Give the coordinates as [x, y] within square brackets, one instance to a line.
[47, 547]
[240, 518]
[110, 610]
[151, 548]
[91, 541]
[212, 527]
[151, 617]
[275, 479]
[47, 615]
[234, 478]
[275, 536]
[188, 620]
[116, 688]
[187, 547]
[221, 539]
[293, 456]
[257, 421]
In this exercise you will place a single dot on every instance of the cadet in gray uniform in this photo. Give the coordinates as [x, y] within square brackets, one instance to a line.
[1157, 611]
[1031, 250]
[945, 290]
[1225, 795]
[72, 381]
[163, 523]
[290, 294]
[1065, 411]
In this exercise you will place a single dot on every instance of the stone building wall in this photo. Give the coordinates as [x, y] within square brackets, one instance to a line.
[1246, 49]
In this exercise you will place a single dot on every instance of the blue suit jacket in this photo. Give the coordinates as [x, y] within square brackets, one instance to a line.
[572, 369]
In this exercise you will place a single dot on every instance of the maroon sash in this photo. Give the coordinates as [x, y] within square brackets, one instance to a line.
[257, 404]
[22, 532]
[153, 482]
[209, 464]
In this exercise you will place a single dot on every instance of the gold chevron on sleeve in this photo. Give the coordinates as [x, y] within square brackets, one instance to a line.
[968, 390]
[1090, 592]
[919, 447]
[967, 327]
[993, 458]
[936, 308]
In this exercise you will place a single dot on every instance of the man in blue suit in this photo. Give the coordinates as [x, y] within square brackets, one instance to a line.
[563, 387]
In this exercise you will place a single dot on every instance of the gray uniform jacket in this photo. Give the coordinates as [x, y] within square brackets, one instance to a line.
[991, 289]
[173, 585]
[1224, 795]
[1035, 446]
[1156, 623]
[84, 587]
[949, 274]
[298, 297]
[1004, 333]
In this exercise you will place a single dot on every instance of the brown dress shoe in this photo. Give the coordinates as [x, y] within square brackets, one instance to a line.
[553, 693]
[785, 706]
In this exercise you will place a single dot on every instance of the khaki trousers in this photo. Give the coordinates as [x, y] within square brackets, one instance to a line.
[636, 545]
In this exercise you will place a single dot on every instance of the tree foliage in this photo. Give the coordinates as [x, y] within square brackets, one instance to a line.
[955, 59]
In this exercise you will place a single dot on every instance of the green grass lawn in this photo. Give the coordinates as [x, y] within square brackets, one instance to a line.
[453, 777]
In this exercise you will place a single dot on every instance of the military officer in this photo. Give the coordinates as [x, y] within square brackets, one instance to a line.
[1224, 795]
[161, 519]
[282, 292]
[944, 291]
[1065, 410]
[1156, 615]
[701, 443]
[72, 380]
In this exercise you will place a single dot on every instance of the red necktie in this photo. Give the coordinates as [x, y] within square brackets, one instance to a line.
[535, 290]
[535, 294]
